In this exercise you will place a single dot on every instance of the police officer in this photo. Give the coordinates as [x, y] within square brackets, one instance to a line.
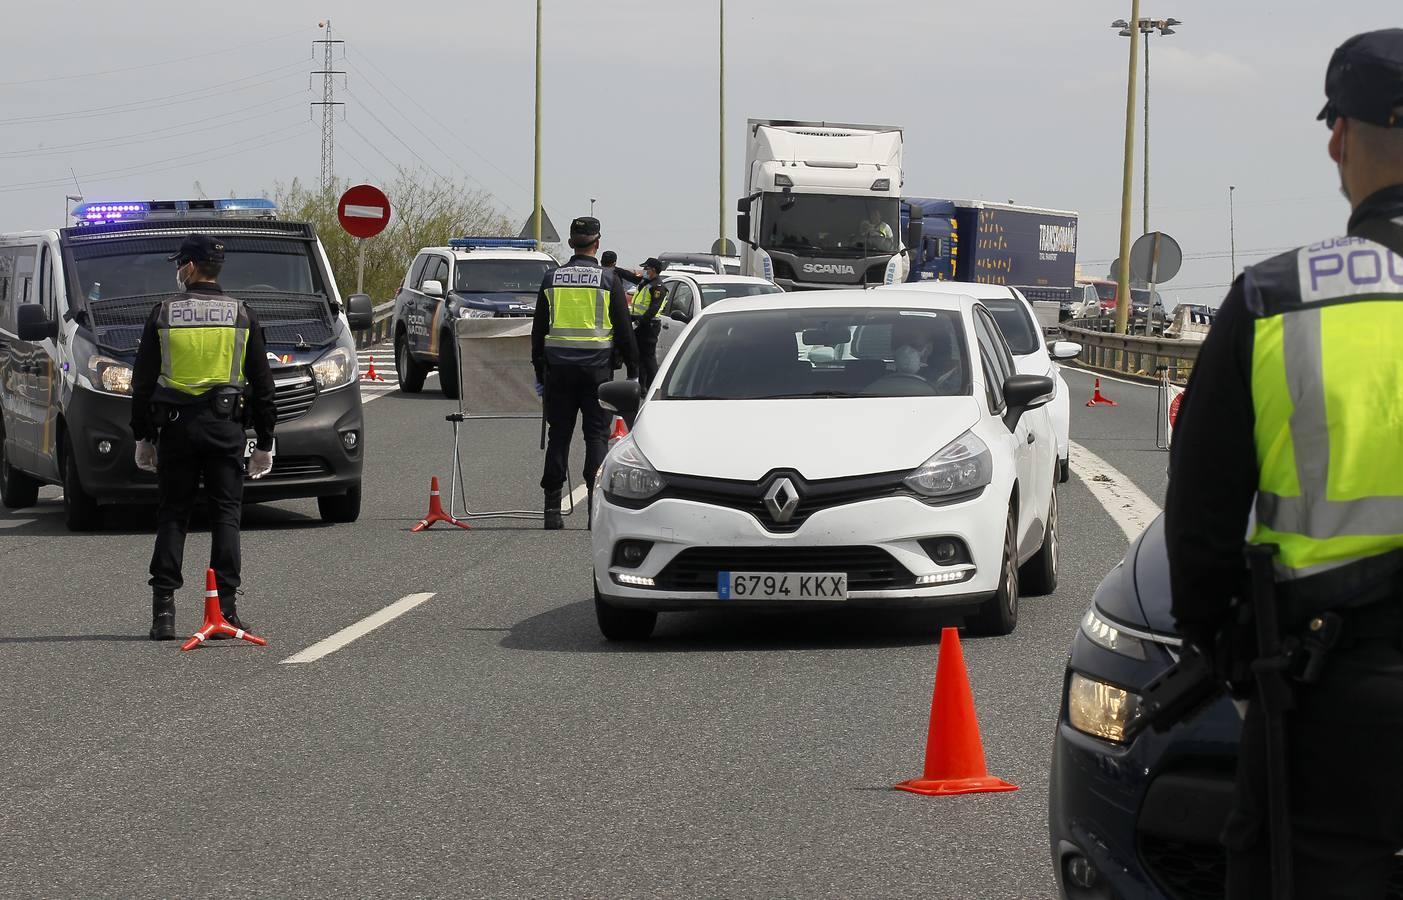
[579, 327]
[647, 301]
[200, 371]
[1296, 404]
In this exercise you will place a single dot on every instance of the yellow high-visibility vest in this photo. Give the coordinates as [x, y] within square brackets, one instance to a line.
[203, 343]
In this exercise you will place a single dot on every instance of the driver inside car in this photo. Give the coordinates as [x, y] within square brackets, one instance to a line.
[920, 348]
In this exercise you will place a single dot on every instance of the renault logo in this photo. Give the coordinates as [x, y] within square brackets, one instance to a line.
[782, 500]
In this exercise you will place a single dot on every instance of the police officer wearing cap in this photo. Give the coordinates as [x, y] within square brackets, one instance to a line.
[1295, 409]
[201, 372]
[647, 301]
[579, 328]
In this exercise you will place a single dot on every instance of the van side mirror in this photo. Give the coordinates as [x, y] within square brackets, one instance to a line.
[32, 325]
[622, 397]
[1022, 393]
[432, 288]
[360, 312]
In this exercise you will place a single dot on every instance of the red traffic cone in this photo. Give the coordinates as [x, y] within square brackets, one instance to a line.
[620, 430]
[954, 753]
[436, 513]
[1098, 398]
[214, 620]
[370, 374]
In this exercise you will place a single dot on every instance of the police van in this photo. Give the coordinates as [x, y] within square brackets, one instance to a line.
[73, 304]
[473, 277]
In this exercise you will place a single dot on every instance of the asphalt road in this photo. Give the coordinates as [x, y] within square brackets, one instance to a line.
[489, 743]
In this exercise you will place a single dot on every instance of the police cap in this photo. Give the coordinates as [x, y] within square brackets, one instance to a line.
[584, 231]
[1365, 80]
[199, 248]
[653, 263]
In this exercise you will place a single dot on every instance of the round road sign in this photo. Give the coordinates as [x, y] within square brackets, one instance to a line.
[1155, 258]
[363, 211]
[723, 247]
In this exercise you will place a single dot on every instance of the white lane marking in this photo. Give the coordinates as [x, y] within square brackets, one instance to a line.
[15, 523]
[1130, 507]
[359, 630]
[577, 496]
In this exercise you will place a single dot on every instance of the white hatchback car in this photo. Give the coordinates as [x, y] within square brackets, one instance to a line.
[1031, 351]
[829, 448]
[688, 293]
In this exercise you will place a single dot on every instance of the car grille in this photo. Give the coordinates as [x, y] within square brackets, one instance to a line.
[749, 496]
[867, 568]
[296, 392]
[298, 467]
[1190, 871]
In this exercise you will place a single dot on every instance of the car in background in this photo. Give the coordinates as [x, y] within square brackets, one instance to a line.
[688, 293]
[760, 474]
[1031, 351]
[470, 278]
[693, 262]
[1142, 304]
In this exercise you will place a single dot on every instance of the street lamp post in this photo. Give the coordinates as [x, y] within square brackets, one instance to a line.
[71, 198]
[1232, 234]
[721, 129]
[591, 207]
[1127, 172]
[536, 202]
[1147, 27]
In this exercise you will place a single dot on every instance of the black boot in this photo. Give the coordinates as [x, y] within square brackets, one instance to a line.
[229, 609]
[553, 520]
[162, 617]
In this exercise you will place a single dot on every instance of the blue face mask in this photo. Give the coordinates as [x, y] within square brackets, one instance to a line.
[908, 360]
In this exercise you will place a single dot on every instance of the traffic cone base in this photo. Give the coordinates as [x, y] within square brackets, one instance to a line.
[954, 752]
[1098, 398]
[436, 513]
[214, 620]
[370, 373]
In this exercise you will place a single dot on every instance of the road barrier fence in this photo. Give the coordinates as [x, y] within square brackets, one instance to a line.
[1130, 354]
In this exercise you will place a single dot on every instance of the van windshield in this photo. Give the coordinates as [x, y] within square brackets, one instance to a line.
[115, 269]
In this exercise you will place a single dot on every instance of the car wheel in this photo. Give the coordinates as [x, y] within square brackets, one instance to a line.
[80, 509]
[619, 623]
[1064, 471]
[17, 490]
[448, 366]
[999, 614]
[341, 508]
[411, 372]
[1039, 574]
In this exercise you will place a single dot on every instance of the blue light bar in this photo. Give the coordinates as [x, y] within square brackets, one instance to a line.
[250, 204]
[129, 210]
[484, 243]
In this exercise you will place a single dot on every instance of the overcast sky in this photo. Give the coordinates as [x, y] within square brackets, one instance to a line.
[1021, 100]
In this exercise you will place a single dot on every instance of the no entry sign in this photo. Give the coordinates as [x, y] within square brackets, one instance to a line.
[363, 211]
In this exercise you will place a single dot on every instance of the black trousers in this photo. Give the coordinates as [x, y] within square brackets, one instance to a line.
[645, 335]
[1344, 743]
[571, 391]
[197, 445]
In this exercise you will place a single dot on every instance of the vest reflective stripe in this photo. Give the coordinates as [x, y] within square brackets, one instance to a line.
[579, 310]
[642, 299]
[1329, 415]
[204, 341]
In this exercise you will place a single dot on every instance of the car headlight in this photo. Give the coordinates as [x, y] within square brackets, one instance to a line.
[1104, 634]
[108, 374]
[470, 313]
[963, 465]
[627, 473]
[335, 369]
[1099, 709]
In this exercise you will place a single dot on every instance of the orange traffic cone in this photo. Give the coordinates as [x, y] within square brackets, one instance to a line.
[620, 430]
[214, 620]
[370, 373]
[954, 753]
[436, 513]
[1098, 398]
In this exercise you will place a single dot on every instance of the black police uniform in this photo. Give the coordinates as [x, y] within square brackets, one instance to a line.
[571, 377]
[198, 443]
[645, 325]
[1345, 734]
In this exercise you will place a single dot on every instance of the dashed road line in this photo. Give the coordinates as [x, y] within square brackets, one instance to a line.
[358, 630]
[1131, 508]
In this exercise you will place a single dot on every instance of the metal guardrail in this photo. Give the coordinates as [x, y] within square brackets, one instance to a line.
[1130, 354]
[379, 329]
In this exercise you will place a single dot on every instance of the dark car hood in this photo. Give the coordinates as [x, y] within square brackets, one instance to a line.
[502, 301]
[1136, 591]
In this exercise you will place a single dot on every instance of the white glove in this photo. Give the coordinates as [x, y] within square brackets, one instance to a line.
[146, 456]
[260, 464]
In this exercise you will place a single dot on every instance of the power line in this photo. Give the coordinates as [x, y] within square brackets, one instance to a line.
[391, 132]
[357, 132]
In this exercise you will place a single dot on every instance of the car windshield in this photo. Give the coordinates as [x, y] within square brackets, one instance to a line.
[499, 276]
[113, 269]
[773, 354]
[1106, 291]
[1141, 297]
[1012, 318]
[713, 292]
[827, 225]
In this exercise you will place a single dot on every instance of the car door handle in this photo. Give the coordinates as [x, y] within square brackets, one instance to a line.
[1032, 437]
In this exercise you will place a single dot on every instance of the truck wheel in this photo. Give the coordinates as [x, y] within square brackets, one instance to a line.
[410, 371]
[341, 508]
[999, 614]
[448, 366]
[619, 623]
[80, 509]
[17, 490]
[1038, 576]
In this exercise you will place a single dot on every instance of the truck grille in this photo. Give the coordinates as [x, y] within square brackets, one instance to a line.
[867, 568]
[296, 392]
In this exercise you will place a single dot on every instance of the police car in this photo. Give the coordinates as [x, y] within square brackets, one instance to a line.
[473, 277]
[73, 302]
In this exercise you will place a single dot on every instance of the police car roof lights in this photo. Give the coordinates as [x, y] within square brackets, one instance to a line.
[129, 210]
[497, 243]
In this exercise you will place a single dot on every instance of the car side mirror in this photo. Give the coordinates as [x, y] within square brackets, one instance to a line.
[360, 312]
[1022, 393]
[622, 397]
[32, 325]
[679, 316]
[1064, 350]
[432, 288]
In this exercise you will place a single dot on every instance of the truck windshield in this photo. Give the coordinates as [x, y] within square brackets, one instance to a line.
[829, 225]
[499, 276]
[113, 269]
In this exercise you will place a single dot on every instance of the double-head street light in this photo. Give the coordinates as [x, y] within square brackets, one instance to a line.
[1147, 27]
